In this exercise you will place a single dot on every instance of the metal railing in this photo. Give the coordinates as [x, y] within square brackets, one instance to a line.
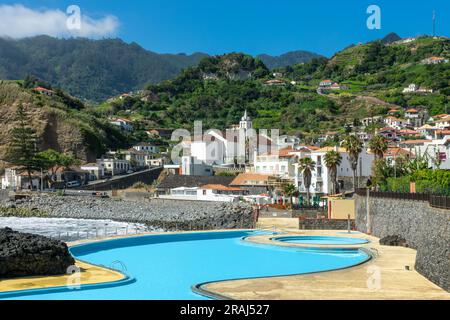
[436, 201]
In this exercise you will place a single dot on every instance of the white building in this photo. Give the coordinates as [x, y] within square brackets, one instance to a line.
[13, 179]
[191, 166]
[236, 146]
[395, 122]
[413, 88]
[443, 123]
[281, 165]
[210, 192]
[146, 147]
[96, 170]
[321, 182]
[112, 167]
[433, 150]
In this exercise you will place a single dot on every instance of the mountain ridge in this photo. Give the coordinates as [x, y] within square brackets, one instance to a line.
[81, 67]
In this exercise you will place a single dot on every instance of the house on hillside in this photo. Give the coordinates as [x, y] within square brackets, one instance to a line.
[413, 88]
[388, 133]
[395, 122]
[434, 60]
[123, 124]
[146, 147]
[163, 133]
[274, 82]
[44, 91]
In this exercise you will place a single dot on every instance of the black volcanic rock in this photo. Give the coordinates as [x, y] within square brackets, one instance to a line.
[391, 37]
[23, 255]
[395, 241]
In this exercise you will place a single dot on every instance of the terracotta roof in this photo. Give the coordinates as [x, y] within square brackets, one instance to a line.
[395, 151]
[414, 141]
[408, 132]
[244, 178]
[220, 187]
[442, 115]
[412, 110]
[42, 89]
[387, 129]
[328, 149]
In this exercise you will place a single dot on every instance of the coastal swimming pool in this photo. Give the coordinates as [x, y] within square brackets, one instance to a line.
[322, 240]
[166, 266]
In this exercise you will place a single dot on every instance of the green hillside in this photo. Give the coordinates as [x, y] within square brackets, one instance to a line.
[62, 122]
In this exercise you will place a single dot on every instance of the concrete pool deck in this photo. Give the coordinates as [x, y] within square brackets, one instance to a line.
[396, 283]
[355, 283]
[89, 274]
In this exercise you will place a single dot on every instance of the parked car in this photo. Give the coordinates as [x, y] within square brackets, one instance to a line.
[73, 184]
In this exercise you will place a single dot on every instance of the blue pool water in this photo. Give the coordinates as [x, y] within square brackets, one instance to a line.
[167, 266]
[322, 240]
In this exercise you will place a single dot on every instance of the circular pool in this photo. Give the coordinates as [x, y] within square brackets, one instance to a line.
[322, 240]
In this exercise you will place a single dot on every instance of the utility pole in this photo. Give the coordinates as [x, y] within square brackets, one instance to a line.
[434, 23]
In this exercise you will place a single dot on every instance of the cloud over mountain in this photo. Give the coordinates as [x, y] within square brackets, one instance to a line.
[18, 21]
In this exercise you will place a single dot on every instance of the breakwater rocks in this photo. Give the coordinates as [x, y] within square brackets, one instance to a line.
[23, 255]
[160, 213]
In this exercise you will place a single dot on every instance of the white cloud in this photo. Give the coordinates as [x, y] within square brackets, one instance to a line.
[18, 21]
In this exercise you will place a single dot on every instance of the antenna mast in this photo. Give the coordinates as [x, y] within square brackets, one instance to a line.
[434, 23]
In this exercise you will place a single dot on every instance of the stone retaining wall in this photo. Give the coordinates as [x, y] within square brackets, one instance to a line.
[325, 224]
[118, 183]
[425, 229]
[4, 195]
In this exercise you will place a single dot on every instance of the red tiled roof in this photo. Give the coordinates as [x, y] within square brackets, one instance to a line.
[220, 187]
[242, 178]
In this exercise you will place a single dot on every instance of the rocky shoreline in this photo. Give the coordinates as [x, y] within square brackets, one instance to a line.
[160, 213]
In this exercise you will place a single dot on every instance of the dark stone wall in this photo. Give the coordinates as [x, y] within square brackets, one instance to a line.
[424, 228]
[325, 224]
[147, 177]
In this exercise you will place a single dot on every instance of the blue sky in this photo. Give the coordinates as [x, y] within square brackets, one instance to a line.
[253, 26]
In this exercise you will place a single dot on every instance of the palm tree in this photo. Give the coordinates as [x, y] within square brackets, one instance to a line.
[306, 166]
[378, 145]
[354, 147]
[289, 191]
[332, 160]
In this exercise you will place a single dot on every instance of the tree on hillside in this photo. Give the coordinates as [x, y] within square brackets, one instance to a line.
[354, 147]
[332, 160]
[51, 161]
[307, 166]
[378, 145]
[22, 149]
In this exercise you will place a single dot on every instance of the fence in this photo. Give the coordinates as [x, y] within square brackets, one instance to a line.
[435, 201]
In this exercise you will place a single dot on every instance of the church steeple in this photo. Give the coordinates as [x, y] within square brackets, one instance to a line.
[246, 122]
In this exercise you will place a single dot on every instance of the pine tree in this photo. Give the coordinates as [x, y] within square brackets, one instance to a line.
[22, 150]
